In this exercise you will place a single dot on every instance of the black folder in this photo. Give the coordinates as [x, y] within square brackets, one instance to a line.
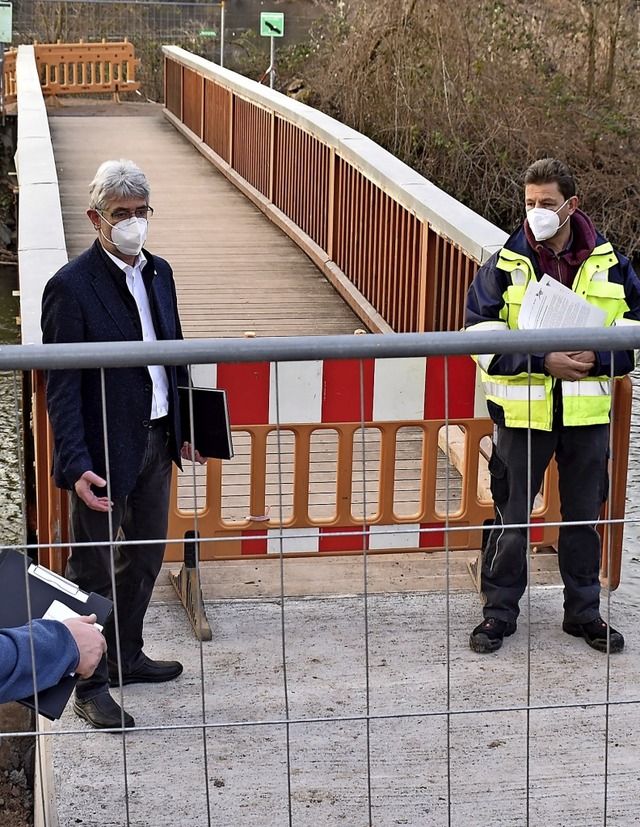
[212, 430]
[44, 586]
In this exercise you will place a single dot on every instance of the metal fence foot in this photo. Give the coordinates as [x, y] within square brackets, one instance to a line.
[185, 582]
[475, 566]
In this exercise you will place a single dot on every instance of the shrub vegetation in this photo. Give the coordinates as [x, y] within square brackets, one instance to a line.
[470, 92]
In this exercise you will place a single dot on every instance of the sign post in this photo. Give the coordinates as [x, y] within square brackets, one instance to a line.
[272, 25]
[6, 35]
[222, 21]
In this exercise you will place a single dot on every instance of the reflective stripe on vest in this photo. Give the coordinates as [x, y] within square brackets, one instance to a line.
[520, 393]
[622, 322]
[587, 387]
[484, 359]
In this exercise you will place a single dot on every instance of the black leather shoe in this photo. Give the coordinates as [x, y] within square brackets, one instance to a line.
[595, 633]
[151, 671]
[102, 712]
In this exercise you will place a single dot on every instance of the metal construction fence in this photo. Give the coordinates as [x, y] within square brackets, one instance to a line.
[147, 24]
[70, 20]
[355, 705]
[224, 32]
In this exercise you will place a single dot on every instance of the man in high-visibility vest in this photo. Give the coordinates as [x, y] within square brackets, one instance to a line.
[549, 403]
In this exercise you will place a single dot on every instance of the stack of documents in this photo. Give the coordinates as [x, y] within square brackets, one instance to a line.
[549, 304]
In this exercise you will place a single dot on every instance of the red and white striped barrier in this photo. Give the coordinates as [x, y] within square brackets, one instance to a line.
[334, 391]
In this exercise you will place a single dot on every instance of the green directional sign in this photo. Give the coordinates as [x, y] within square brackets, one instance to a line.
[208, 33]
[272, 24]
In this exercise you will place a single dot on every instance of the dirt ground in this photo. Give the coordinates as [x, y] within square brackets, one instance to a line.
[16, 767]
[16, 753]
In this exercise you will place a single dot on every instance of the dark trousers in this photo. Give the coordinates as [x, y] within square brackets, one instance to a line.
[142, 515]
[582, 457]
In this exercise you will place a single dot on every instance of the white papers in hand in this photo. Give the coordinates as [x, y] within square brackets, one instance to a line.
[548, 303]
[58, 611]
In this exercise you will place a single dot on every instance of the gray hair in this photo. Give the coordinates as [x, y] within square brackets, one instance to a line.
[116, 180]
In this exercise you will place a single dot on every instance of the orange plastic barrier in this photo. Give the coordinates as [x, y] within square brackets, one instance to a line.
[79, 69]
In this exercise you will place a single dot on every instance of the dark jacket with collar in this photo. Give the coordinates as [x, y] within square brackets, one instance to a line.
[87, 300]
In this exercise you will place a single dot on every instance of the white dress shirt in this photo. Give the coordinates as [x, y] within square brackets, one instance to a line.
[158, 373]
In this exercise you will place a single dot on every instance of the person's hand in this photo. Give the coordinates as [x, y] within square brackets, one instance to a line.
[570, 366]
[83, 490]
[90, 642]
[586, 356]
[187, 452]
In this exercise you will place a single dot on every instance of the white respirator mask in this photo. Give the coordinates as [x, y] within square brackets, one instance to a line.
[129, 235]
[545, 224]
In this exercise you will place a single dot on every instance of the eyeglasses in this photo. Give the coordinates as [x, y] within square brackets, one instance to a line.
[123, 215]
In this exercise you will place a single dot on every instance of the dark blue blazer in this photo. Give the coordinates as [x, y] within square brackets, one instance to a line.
[87, 301]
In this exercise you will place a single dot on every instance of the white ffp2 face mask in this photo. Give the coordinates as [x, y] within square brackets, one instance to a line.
[545, 223]
[129, 235]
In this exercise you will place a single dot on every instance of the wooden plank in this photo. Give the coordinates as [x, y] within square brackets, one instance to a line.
[235, 271]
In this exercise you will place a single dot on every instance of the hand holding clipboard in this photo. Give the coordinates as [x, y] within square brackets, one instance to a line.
[29, 591]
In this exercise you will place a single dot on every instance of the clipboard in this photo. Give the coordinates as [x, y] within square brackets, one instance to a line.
[45, 587]
[211, 424]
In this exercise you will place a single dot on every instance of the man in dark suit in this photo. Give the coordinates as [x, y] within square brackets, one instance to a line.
[116, 291]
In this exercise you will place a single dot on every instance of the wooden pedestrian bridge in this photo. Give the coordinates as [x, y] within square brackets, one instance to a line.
[288, 232]
[280, 221]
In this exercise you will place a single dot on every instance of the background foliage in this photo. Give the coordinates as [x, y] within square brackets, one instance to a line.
[467, 92]
[470, 92]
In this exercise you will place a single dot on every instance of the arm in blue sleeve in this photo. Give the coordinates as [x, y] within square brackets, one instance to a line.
[55, 653]
[623, 361]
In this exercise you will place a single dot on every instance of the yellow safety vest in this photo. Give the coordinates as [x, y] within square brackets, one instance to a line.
[527, 398]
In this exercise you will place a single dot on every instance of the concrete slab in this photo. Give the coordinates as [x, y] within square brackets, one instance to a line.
[378, 714]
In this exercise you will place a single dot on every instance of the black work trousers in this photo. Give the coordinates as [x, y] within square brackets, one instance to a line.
[142, 515]
[582, 455]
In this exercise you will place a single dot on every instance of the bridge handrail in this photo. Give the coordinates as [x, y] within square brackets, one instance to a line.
[399, 250]
[42, 249]
[477, 236]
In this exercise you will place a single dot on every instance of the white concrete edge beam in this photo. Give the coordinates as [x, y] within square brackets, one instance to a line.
[41, 243]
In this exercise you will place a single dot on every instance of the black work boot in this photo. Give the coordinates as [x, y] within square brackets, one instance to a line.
[597, 634]
[488, 636]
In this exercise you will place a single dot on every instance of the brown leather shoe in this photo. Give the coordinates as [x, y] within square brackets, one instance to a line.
[102, 712]
[150, 671]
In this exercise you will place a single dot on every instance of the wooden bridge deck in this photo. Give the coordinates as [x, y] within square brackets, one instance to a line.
[235, 271]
